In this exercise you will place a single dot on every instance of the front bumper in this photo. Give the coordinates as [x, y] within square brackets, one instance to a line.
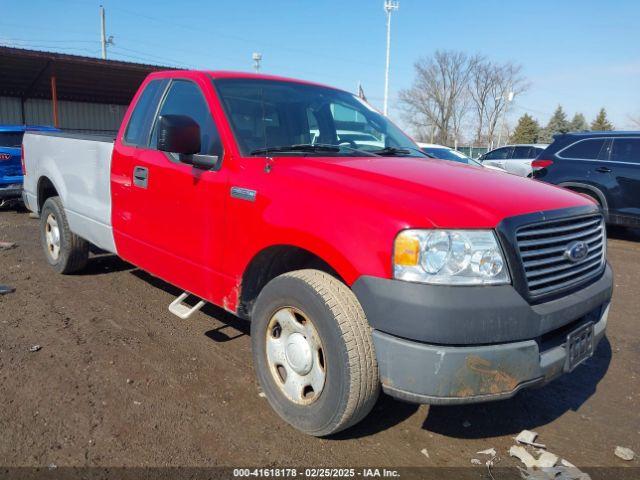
[449, 345]
[10, 191]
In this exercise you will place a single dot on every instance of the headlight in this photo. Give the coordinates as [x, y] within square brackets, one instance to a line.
[449, 257]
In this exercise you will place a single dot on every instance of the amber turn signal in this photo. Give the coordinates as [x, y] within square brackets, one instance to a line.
[406, 251]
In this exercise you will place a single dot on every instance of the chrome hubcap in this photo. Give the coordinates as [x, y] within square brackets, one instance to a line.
[295, 355]
[52, 236]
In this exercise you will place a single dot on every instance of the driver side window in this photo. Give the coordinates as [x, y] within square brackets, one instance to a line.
[184, 98]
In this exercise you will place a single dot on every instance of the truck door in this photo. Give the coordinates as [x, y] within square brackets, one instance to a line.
[171, 223]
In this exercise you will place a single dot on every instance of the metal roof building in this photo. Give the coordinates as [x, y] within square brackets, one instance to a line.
[68, 91]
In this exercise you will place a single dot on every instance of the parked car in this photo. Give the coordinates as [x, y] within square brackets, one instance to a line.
[441, 152]
[603, 165]
[10, 163]
[514, 158]
[359, 139]
[358, 270]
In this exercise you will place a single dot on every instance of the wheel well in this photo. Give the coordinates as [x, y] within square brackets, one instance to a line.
[598, 197]
[45, 190]
[271, 262]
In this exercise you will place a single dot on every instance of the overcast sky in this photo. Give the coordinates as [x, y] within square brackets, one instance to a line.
[582, 54]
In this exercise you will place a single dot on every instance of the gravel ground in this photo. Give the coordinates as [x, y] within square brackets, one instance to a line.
[119, 381]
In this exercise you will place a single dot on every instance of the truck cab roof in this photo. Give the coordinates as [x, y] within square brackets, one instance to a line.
[220, 74]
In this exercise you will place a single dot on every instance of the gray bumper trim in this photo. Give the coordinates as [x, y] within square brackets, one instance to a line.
[457, 315]
[446, 375]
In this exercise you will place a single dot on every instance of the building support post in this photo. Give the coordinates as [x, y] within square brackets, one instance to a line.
[54, 100]
[22, 113]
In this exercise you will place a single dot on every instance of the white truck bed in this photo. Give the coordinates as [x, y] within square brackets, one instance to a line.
[79, 167]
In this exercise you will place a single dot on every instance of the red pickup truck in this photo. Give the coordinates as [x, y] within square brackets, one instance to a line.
[361, 264]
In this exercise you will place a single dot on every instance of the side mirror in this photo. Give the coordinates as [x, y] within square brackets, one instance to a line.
[178, 134]
[203, 162]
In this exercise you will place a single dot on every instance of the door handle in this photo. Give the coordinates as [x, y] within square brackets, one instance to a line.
[140, 177]
[603, 170]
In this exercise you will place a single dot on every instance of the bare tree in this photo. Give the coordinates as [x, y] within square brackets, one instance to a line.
[436, 98]
[635, 121]
[450, 85]
[459, 115]
[482, 80]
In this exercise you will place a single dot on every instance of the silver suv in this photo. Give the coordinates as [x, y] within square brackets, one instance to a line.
[514, 159]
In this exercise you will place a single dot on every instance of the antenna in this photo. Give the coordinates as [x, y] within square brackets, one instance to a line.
[389, 6]
[257, 58]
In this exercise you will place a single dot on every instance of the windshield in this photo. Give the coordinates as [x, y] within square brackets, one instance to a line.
[449, 154]
[269, 114]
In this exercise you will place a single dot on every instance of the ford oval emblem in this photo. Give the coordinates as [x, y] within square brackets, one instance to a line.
[576, 251]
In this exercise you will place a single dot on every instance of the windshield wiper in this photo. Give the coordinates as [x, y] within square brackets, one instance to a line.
[391, 151]
[302, 147]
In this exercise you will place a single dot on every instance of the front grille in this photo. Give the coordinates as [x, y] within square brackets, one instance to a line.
[544, 246]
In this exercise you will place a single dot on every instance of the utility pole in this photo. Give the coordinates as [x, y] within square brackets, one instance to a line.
[509, 99]
[389, 6]
[103, 34]
[257, 58]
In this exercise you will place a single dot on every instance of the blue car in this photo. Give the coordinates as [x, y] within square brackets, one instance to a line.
[10, 164]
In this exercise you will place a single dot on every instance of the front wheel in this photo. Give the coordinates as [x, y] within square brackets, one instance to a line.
[313, 352]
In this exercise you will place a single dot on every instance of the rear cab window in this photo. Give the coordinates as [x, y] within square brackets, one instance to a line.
[137, 132]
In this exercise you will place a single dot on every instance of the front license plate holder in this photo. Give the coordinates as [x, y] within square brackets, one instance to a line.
[579, 346]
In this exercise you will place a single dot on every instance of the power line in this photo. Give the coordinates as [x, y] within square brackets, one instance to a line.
[190, 28]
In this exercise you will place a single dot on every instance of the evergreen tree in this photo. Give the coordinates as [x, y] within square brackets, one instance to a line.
[578, 123]
[558, 123]
[527, 130]
[601, 122]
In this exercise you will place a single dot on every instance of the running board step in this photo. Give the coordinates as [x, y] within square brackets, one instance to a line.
[183, 310]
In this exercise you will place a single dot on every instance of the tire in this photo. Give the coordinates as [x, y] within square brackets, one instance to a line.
[346, 356]
[69, 253]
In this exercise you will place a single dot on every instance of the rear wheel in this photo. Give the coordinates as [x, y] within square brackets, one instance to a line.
[313, 352]
[65, 251]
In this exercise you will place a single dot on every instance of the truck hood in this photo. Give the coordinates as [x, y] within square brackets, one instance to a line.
[437, 193]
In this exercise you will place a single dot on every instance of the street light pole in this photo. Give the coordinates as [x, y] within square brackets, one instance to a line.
[389, 6]
[103, 35]
[257, 57]
[509, 99]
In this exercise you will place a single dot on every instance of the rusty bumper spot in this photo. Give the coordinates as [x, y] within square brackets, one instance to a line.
[480, 377]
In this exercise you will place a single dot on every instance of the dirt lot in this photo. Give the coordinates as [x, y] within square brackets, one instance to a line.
[120, 381]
